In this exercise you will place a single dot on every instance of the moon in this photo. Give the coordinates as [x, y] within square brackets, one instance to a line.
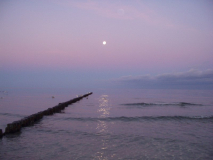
[104, 42]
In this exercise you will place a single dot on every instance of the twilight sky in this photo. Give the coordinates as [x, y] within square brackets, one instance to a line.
[58, 43]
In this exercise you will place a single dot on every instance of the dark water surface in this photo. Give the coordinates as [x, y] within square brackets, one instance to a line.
[110, 124]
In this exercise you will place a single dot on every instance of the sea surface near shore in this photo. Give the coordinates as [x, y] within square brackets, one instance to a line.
[110, 124]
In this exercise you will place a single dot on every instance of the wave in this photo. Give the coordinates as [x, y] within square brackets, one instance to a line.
[142, 118]
[12, 115]
[162, 104]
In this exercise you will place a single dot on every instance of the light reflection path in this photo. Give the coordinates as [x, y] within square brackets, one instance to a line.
[102, 128]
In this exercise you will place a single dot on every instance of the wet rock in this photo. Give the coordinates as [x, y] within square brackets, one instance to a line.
[24, 122]
[49, 111]
[16, 125]
[1, 133]
[13, 127]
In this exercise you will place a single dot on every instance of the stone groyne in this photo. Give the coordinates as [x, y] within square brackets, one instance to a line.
[29, 120]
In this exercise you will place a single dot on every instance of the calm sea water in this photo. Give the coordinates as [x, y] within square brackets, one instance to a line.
[110, 124]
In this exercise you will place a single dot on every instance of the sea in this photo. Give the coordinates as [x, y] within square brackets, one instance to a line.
[126, 124]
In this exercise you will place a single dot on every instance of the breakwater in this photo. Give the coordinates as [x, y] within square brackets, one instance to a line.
[29, 120]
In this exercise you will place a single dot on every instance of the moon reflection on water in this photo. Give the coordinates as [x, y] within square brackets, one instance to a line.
[102, 127]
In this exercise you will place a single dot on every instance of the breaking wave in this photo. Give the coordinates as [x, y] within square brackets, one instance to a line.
[162, 104]
[142, 118]
[12, 115]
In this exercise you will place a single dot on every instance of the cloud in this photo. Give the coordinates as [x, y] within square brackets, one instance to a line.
[126, 11]
[115, 10]
[119, 10]
[192, 79]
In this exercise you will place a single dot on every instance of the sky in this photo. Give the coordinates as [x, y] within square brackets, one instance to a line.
[149, 44]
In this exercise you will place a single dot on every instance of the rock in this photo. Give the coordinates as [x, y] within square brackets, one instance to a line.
[13, 127]
[16, 125]
[1, 133]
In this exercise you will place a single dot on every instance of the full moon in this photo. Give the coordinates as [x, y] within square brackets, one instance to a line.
[104, 42]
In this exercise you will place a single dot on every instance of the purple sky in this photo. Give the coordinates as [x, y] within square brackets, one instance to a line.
[59, 42]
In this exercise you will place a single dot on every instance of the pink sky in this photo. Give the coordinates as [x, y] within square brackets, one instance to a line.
[143, 37]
